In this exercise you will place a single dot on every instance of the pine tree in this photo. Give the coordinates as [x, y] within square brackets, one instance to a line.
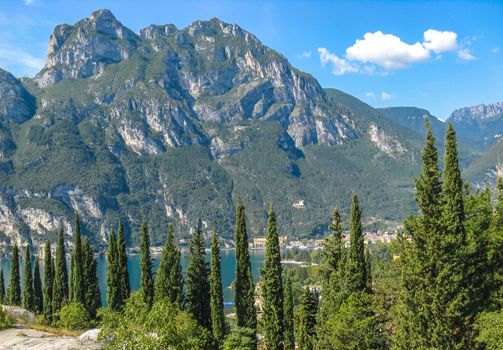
[272, 287]
[169, 278]
[60, 288]
[147, 279]
[124, 285]
[288, 311]
[2, 288]
[77, 285]
[198, 286]
[48, 282]
[216, 295]
[92, 294]
[356, 274]
[15, 279]
[37, 289]
[113, 289]
[244, 288]
[28, 294]
[307, 320]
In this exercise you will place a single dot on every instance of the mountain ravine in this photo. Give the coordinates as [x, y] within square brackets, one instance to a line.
[180, 124]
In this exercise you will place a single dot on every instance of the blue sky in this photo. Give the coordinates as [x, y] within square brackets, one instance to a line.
[435, 55]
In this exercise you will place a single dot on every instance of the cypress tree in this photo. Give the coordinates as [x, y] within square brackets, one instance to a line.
[169, 278]
[70, 279]
[124, 285]
[368, 269]
[15, 279]
[2, 287]
[92, 294]
[147, 279]
[77, 285]
[496, 244]
[244, 298]
[307, 320]
[28, 294]
[356, 270]
[272, 287]
[37, 289]
[216, 295]
[113, 288]
[48, 282]
[288, 311]
[198, 286]
[60, 288]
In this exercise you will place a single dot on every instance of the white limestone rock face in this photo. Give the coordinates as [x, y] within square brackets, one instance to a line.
[387, 144]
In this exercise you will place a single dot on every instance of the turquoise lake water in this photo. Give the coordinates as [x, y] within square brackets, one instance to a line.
[228, 270]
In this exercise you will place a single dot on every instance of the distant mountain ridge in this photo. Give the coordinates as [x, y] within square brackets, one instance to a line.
[180, 124]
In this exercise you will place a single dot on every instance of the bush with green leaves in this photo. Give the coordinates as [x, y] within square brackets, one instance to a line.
[163, 326]
[74, 316]
[5, 321]
[240, 339]
[490, 327]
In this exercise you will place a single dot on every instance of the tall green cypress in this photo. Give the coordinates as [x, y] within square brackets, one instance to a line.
[147, 279]
[113, 288]
[216, 295]
[92, 294]
[124, 285]
[496, 244]
[451, 326]
[48, 282]
[78, 287]
[356, 273]
[288, 310]
[70, 279]
[368, 269]
[38, 299]
[244, 288]
[15, 279]
[198, 286]
[169, 278]
[2, 288]
[306, 334]
[28, 294]
[60, 288]
[272, 287]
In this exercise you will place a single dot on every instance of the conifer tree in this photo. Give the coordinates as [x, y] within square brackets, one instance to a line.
[2, 287]
[48, 282]
[70, 279]
[124, 285]
[368, 269]
[113, 288]
[15, 279]
[169, 278]
[272, 287]
[60, 288]
[356, 274]
[307, 320]
[496, 245]
[38, 299]
[218, 324]
[147, 279]
[244, 288]
[288, 311]
[77, 285]
[92, 293]
[28, 294]
[198, 286]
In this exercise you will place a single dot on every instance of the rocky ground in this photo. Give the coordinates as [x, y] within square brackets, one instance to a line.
[24, 338]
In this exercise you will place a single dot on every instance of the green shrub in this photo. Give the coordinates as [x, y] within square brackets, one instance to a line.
[164, 326]
[490, 327]
[240, 339]
[5, 321]
[74, 316]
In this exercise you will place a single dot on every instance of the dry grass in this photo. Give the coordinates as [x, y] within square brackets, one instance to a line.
[56, 331]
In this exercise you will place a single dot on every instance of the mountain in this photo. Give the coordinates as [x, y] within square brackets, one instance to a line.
[180, 124]
[481, 123]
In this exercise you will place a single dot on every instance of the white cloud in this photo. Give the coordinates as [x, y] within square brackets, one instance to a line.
[305, 54]
[466, 55]
[386, 96]
[339, 65]
[370, 94]
[387, 51]
[20, 60]
[440, 41]
[495, 50]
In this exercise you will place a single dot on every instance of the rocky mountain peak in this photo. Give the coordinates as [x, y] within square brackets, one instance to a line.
[16, 104]
[478, 113]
